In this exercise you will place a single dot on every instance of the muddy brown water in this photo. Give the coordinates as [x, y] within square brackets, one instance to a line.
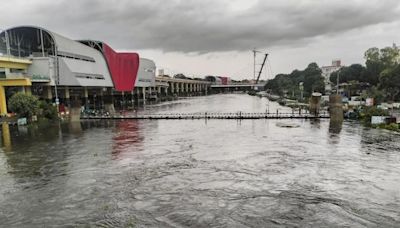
[197, 173]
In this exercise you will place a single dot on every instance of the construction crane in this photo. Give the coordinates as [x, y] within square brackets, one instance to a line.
[262, 67]
[254, 91]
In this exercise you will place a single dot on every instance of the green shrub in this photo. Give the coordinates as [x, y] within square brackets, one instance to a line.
[24, 105]
[391, 127]
[48, 110]
[367, 112]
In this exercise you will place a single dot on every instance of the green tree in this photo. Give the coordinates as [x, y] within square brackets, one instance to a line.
[378, 61]
[48, 110]
[389, 81]
[288, 84]
[354, 72]
[313, 80]
[24, 105]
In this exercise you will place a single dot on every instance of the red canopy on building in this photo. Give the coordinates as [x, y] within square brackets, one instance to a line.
[123, 68]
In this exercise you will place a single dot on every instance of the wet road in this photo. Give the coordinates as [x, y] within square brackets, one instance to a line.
[197, 173]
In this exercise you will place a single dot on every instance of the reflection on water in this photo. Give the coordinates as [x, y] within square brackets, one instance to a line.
[127, 137]
[5, 129]
[196, 173]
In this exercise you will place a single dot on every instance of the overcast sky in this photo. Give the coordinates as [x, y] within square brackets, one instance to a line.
[201, 37]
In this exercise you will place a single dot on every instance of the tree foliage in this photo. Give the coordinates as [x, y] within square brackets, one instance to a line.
[48, 110]
[354, 72]
[381, 72]
[24, 105]
[288, 84]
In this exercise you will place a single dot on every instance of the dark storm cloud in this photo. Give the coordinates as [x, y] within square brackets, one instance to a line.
[207, 25]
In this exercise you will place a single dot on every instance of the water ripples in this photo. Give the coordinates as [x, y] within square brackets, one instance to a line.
[195, 173]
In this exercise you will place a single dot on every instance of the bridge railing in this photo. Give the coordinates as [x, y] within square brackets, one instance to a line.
[215, 115]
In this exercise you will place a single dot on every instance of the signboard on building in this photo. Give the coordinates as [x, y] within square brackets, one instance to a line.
[378, 119]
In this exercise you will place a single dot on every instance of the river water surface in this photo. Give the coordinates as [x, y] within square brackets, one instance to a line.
[197, 173]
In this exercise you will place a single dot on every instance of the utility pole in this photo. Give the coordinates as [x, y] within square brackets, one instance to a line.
[337, 82]
[57, 75]
[254, 69]
[254, 65]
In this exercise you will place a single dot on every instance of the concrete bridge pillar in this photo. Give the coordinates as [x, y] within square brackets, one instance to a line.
[165, 91]
[186, 88]
[182, 87]
[173, 90]
[170, 87]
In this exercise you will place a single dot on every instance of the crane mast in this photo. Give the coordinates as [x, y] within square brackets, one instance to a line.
[262, 67]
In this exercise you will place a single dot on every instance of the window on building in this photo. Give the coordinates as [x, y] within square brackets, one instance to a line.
[2, 72]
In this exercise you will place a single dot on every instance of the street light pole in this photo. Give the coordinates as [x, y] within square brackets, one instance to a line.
[254, 64]
[57, 76]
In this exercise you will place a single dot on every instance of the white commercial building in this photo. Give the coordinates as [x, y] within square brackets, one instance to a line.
[327, 71]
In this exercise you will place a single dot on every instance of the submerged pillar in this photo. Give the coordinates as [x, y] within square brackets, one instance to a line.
[108, 100]
[336, 108]
[5, 128]
[75, 110]
[3, 102]
[315, 103]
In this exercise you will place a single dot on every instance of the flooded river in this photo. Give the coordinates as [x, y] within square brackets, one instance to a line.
[198, 173]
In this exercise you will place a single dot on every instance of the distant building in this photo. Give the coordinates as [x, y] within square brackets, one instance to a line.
[219, 80]
[147, 73]
[328, 70]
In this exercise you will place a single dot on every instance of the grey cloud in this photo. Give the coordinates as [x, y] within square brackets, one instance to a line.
[207, 25]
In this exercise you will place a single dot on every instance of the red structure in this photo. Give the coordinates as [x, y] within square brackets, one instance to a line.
[123, 68]
[225, 80]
